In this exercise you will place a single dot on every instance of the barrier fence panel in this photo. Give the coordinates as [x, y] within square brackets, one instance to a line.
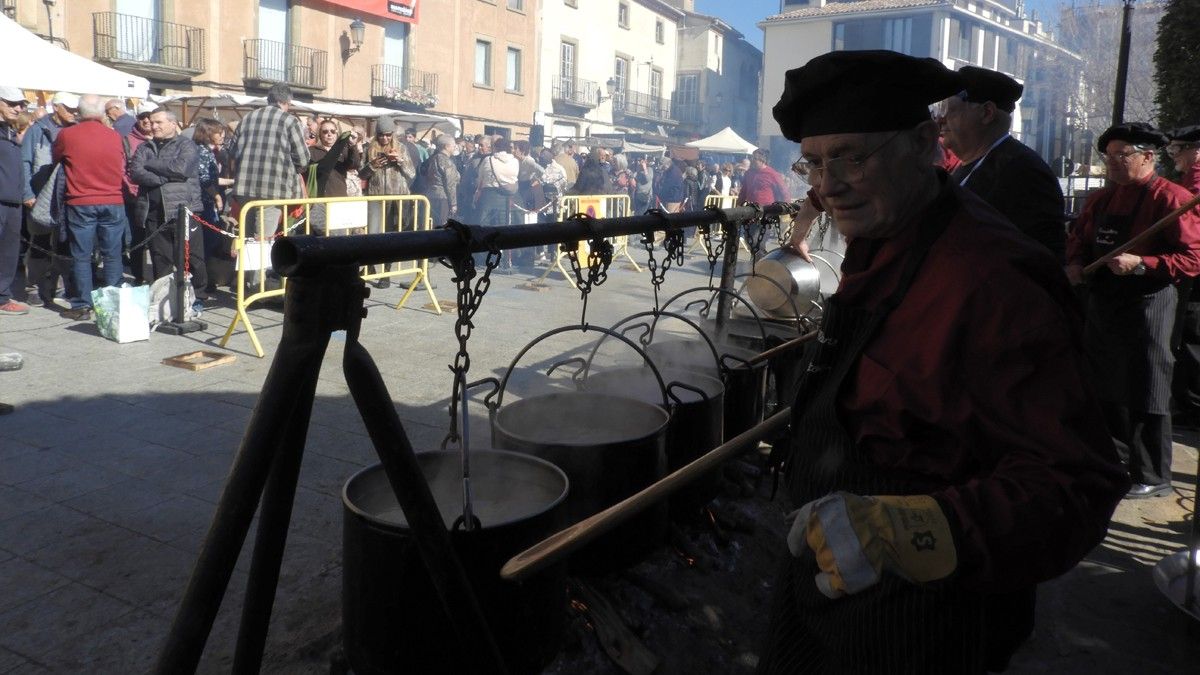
[327, 216]
[596, 206]
[720, 202]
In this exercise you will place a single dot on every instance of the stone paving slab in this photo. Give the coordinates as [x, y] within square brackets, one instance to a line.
[111, 466]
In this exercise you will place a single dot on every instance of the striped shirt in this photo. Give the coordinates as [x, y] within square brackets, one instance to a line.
[270, 153]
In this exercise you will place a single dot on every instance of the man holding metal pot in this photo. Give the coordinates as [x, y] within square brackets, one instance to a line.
[946, 453]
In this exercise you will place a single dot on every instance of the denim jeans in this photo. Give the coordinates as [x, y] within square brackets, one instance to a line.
[89, 227]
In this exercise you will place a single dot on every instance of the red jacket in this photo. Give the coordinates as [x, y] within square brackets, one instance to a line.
[93, 157]
[976, 382]
[762, 186]
[1173, 253]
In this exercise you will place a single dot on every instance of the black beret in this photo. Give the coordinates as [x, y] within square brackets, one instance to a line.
[1185, 134]
[861, 91]
[981, 85]
[1136, 133]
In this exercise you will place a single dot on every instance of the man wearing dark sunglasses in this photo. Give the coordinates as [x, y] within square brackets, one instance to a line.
[946, 454]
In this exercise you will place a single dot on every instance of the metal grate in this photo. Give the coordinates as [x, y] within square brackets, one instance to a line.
[121, 38]
[575, 91]
[270, 61]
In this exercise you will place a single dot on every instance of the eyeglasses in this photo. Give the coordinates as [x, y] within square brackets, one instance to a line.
[329, 131]
[1120, 156]
[847, 169]
[1176, 148]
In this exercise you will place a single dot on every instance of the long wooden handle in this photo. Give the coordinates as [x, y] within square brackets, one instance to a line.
[1149, 232]
[559, 545]
[785, 347]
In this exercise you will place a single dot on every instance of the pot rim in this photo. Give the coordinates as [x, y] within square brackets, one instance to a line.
[657, 409]
[520, 457]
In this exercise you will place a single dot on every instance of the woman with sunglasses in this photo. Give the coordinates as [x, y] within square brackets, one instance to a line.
[330, 158]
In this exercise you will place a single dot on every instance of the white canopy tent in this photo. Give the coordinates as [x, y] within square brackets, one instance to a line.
[34, 64]
[726, 141]
[190, 105]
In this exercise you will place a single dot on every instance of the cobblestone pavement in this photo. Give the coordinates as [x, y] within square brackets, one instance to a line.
[112, 463]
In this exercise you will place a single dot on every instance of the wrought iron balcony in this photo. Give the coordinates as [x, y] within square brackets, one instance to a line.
[266, 62]
[156, 48]
[645, 106]
[404, 87]
[576, 92]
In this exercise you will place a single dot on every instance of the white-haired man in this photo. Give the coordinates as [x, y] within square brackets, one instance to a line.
[93, 158]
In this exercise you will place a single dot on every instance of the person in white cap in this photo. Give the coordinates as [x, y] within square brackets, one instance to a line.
[12, 102]
[49, 258]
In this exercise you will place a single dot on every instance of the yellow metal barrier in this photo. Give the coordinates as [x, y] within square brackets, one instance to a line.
[334, 216]
[721, 202]
[596, 206]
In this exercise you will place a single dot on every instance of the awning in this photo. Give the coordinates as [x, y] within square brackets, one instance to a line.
[725, 140]
[35, 65]
[242, 103]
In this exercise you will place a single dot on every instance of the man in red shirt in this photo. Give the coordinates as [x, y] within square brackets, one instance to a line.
[947, 454]
[762, 184]
[93, 158]
[1131, 302]
[1184, 151]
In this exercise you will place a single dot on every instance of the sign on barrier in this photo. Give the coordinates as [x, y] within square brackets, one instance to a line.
[345, 215]
[596, 206]
[255, 255]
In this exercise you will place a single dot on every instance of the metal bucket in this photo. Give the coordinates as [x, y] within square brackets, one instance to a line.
[610, 447]
[697, 414]
[745, 383]
[392, 618]
[783, 281]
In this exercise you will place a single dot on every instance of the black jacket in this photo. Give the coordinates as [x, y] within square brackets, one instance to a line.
[167, 174]
[1015, 181]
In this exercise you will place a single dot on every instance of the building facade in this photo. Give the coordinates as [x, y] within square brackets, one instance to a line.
[992, 34]
[473, 59]
[609, 67]
[719, 78]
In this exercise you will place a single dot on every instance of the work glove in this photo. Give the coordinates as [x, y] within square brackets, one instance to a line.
[856, 538]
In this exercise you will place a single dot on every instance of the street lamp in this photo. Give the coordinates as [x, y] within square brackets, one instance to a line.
[358, 31]
[611, 87]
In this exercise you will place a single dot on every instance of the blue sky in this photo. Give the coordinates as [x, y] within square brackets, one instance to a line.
[744, 14]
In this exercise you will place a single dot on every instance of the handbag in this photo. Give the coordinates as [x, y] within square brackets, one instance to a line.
[509, 189]
[41, 216]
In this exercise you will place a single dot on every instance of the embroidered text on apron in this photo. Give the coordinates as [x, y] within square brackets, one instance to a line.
[1129, 322]
[895, 626]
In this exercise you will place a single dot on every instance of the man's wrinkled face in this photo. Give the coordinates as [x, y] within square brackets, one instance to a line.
[866, 181]
[10, 111]
[960, 122]
[163, 127]
[65, 115]
[1126, 164]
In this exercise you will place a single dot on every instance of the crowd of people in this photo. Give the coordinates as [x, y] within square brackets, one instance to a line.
[102, 202]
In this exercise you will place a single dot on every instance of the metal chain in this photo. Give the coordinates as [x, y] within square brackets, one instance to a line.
[673, 248]
[600, 255]
[469, 299]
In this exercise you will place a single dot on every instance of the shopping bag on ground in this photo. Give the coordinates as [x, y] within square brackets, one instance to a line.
[121, 312]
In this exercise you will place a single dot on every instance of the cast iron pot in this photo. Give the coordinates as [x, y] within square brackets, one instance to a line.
[609, 446]
[392, 618]
[697, 411]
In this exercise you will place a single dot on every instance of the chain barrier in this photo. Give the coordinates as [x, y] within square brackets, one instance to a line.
[600, 255]
[714, 247]
[469, 299]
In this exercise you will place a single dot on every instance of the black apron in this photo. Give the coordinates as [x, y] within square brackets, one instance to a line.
[894, 626]
[1129, 323]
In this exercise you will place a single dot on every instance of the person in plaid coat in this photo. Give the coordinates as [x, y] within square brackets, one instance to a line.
[269, 153]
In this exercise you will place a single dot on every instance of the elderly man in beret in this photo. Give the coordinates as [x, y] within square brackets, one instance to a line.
[1131, 304]
[1184, 151]
[947, 454]
[1008, 175]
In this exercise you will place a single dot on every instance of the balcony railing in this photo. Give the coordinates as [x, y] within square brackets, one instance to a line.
[406, 87]
[157, 47]
[638, 104]
[686, 113]
[267, 61]
[574, 91]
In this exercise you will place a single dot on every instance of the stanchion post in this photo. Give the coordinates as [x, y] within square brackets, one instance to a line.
[178, 325]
